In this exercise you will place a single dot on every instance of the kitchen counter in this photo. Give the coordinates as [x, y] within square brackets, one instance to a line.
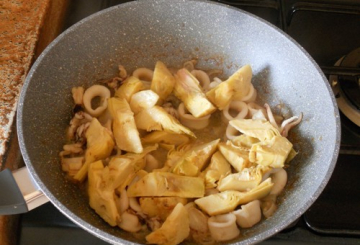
[26, 28]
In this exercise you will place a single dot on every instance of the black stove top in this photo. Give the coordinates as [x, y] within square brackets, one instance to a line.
[328, 30]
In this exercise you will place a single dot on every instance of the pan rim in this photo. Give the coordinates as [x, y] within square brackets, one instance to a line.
[110, 238]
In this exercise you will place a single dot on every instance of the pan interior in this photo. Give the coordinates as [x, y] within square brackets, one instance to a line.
[138, 34]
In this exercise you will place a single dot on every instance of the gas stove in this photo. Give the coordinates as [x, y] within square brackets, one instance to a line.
[330, 31]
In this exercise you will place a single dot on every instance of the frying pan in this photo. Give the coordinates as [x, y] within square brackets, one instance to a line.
[137, 34]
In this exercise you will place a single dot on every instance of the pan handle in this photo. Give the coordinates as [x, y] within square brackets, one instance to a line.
[18, 192]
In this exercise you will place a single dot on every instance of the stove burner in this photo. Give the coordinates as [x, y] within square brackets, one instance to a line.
[347, 88]
[350, 86]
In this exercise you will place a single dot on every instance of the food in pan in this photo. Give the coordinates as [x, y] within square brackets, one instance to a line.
[178, 154]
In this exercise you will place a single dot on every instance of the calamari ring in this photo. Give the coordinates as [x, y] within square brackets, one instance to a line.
[129, 222]
[190, 121]
[251, 96]
[223, 227]
[203, 78]
[144, 74]
[231, 132]
[234, 110]
[279, 179]
[248, 215]
[123, 201]
[90, 94]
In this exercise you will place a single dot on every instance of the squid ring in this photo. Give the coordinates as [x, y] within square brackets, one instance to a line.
[231, 132]
[202, 77]
[134, 204]
[268, 205]
[251, 96]
[123, 201]
[279, 179]
[234, 110]
[248, 215]
[144, 74]
[90, 94]
[129, 222]
[190, 121]
[223, 227]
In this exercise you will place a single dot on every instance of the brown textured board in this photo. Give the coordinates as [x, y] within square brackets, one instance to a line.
[26, 28]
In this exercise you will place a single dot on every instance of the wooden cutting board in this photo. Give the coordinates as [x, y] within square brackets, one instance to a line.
[26, 28]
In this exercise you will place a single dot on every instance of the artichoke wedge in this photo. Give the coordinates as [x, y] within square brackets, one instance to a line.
[218, 168]
[291, 155]
[165, 138]
[242, 79]
[116, 173]
[130, 86]
[237, 157]
[125, 132]
[142, 100]
[174, 230]
[99, 146]
[137, 158]
[227, 201]
[244, 141]
[102, 201]
[194, 160]
[245, 180]
[260, 129]
[163, 81]
[156, 118]
[160, 206]
[188, 90]
[273, 152]
[167, 184]
[236, 86]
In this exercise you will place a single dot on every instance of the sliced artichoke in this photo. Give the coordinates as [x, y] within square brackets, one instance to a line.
[102, 201]
[167, 184]
[291, 156]
[188, 90]
[236, 86]
[242, 79]
[174, 230]
[219, 203]
[227, 201]
[194, 160]
[99, 146]
[159, 206]
[237, 157]
[245, 180]
[218, 168]
[244, 141]
[125, 132]
[142, 100]
[116, 172]
[260, 129]
[138, 159]
[156, 118]
[163, 81]
[273, 152]
[129, 87]
[165, 137]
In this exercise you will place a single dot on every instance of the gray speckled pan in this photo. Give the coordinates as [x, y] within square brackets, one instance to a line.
[138, 34]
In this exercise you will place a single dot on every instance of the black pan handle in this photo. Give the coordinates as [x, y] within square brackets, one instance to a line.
[340, 70]
[18, 192]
